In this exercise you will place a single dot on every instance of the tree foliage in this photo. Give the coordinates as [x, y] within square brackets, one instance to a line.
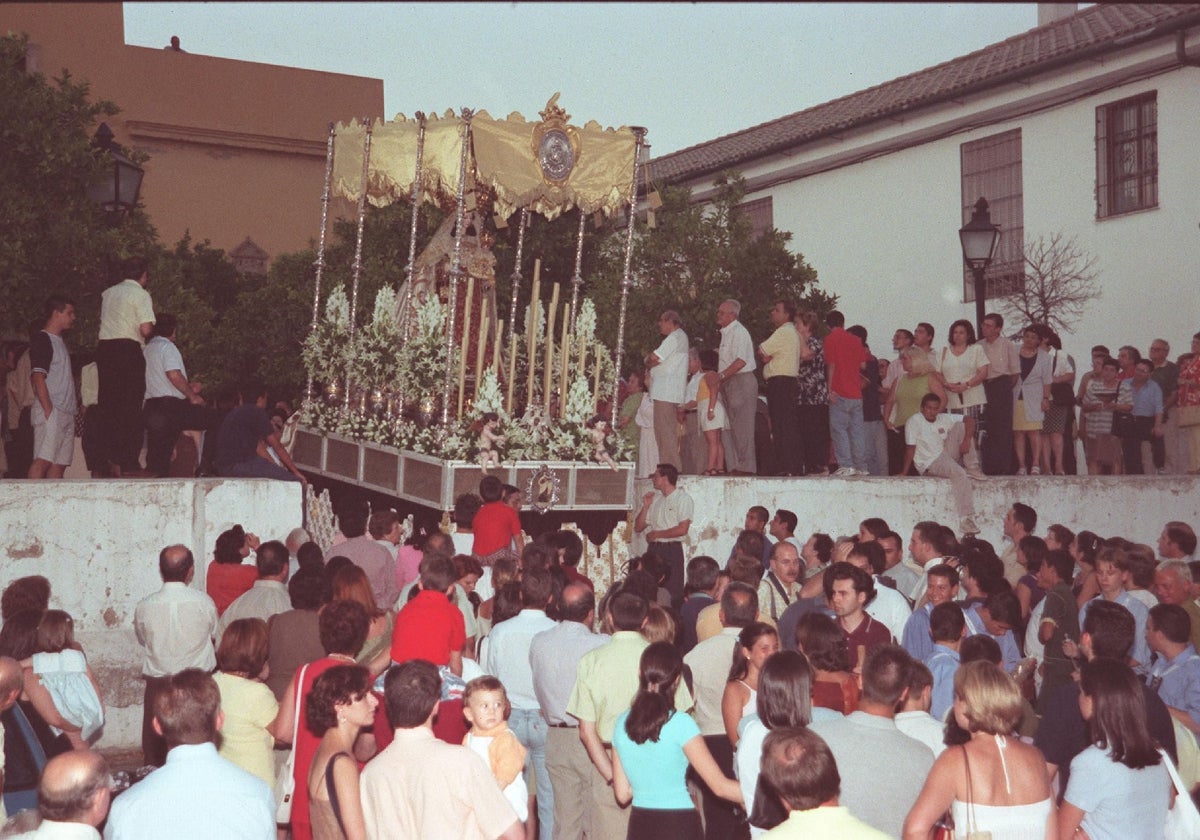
[698, 255]
[1060, 281]
[52, 239]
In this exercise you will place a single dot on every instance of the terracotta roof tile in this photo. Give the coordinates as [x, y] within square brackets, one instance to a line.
[1099, 27]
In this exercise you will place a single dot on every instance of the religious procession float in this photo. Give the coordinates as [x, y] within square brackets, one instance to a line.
[442, 384]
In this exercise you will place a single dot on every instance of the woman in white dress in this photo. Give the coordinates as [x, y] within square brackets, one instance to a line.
[994, 785]
[963, 368]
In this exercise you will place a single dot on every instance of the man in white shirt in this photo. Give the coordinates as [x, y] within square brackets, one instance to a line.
[126, 321]
[508, 660]
[554, 656]
[172, 405]
[889, 607]
[665, 518]
[669, 362]
[709, 662]
[197, 793]
[269, 594]
[939, 446]
[739, 387]
[53, 410]
[175, 626]
[914, 719]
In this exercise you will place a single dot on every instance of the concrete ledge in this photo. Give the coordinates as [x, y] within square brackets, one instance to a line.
[98, 543]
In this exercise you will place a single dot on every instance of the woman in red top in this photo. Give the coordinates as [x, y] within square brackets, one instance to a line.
[228, 577]
[343, 629]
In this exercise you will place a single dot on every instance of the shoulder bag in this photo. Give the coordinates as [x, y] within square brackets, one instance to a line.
[285, 782]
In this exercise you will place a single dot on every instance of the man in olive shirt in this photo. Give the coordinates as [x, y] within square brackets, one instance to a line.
[606, 682]
[780, 355]
[1004, 366]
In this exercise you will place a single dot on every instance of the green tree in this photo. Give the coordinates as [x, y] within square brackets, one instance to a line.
[696, 256]
[52, 239]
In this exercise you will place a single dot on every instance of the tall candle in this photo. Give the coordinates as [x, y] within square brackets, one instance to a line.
[466, 343]
[548, 363]
[531, 329]
[496, 348]
[481, 351]
[566, 357]
[596, 387]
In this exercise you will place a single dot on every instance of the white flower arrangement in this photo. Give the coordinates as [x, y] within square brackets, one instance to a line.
[378, 360]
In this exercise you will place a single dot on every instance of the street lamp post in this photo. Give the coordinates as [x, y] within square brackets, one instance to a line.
[117, 186]
[979, 238]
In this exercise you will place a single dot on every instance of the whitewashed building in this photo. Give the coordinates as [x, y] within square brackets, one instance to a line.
[1088, 126]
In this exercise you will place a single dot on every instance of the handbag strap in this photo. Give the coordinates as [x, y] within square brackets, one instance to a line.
[296, 714]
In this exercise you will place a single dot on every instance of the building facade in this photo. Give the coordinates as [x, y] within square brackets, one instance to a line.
[237, 148]
[1084, 127]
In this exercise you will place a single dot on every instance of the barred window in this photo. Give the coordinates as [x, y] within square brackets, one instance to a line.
[760, 213]
[1127, 155]
[991, 169]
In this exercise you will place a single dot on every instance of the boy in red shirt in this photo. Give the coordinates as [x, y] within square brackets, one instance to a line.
[430, 626]
[497, 525]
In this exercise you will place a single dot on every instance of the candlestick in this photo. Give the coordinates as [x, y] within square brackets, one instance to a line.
[466, 342]
[531, 330]
[496, 348]
[596, 387]
[548, 363]
[481, 351]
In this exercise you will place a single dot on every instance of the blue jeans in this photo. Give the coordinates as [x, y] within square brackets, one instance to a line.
[849, 437]
[258, 468]
[530, 728]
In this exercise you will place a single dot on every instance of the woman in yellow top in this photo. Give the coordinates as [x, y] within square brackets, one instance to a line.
[917, 380]
[711, 412]
[248, 705]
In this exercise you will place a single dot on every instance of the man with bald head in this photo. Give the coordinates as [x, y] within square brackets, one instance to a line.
[175, 627]
[554, 656]
[73, 797]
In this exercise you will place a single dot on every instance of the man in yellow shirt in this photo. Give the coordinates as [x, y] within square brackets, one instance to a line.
[780, 355]
[126, 321]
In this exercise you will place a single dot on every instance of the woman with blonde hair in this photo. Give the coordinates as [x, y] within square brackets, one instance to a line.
[350, 583]
[994, 785]
[917, 380]
[660, 625]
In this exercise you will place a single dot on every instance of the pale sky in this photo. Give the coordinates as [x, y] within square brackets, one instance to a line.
[688, 72]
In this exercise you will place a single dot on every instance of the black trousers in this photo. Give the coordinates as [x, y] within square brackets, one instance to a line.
[672, 552]
[814, 437]
[122, 370]
[785, 425]
[996, 456]
[19, 450]
[1131, 447]
[165, 418]
[154, 746]
[721, 817]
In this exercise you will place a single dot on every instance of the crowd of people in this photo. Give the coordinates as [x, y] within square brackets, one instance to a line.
[471, 684]
[828, 404]
[133, 392]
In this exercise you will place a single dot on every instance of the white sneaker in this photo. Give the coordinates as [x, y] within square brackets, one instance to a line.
[845, 472]
[968, 526]
[1021, 471]
[1035, 471]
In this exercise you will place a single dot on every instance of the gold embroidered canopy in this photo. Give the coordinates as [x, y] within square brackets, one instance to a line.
[548, 167]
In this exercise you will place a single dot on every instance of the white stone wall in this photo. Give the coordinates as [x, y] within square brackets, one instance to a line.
[98, 543]
[1135, 507]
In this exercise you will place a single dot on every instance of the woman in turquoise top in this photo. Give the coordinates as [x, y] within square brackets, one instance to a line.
[652, 748]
